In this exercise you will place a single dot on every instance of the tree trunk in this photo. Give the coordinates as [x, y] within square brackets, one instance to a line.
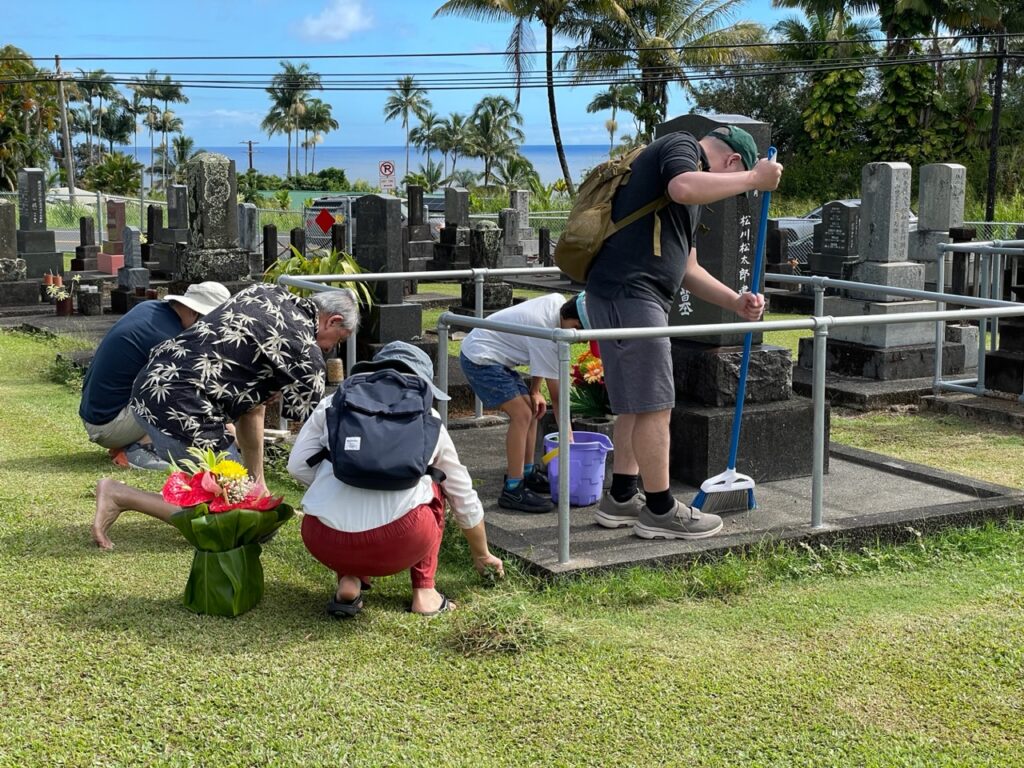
[549, 34]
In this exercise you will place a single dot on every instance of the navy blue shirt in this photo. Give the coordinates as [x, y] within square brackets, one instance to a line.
[121, 355]
[627, 265]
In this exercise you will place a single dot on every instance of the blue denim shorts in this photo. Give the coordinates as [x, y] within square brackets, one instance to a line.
[493, 384]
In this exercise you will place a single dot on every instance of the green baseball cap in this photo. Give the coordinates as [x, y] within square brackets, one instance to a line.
[740, 141]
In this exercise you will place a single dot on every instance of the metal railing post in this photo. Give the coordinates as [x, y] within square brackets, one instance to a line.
[983, 291]
[940, 325]
[442, 367]
[99, 217]
[478, 306]
[563, 452]
[819, 448]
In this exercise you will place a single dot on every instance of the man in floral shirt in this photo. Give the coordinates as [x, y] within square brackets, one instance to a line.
[262, 343]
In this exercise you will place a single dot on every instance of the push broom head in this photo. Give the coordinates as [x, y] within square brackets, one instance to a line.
[726, 492]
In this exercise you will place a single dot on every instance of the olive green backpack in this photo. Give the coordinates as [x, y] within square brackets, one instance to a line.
[590, 220]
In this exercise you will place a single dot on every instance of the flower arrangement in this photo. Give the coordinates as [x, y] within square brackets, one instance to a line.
[588, 396]
[59, 292]
[225, 515]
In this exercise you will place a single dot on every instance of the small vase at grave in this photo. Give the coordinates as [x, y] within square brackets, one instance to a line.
[335, 370]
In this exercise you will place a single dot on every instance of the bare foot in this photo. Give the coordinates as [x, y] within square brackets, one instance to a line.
[107, 512]
[429, 601]
[349, 588]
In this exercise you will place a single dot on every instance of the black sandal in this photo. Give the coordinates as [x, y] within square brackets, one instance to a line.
[344, 609]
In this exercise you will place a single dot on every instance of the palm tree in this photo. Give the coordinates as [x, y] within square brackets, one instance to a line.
[555, 15]
[429, 177]
[149, 88]
[277, 121]
[515, 172]
[496, 132]
[408, 98]
[659, 39]
[169, 92]
[288, 92]
[182, 149]
[97, 84]
[617, 96]
[319, 120]
[424, 136]
[464, 178]
[167, 123]
[452, 137]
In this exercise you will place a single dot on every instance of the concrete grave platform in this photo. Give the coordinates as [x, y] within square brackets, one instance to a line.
[867, 496]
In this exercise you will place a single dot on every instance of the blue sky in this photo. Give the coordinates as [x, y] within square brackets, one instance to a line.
[295, 29]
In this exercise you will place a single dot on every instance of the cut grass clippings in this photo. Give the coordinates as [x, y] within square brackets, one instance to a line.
[785, 656]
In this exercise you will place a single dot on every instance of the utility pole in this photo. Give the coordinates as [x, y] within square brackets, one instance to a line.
[69, 160]
[993, 140]
[250, 142]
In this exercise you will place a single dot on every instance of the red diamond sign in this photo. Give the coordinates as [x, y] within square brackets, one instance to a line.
[324, 220]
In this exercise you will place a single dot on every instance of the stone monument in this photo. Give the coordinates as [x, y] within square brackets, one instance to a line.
[87, 251]
[706, 369]
[132, 278]
[35, 243]
[169, 248]
[213, 252]
[111, 256]
[15, 288]
[485, 252]
[452, 252]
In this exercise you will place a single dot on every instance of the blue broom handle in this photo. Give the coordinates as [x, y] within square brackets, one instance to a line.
[741, 388]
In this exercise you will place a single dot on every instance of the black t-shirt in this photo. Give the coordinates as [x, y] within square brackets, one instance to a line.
[627, 264]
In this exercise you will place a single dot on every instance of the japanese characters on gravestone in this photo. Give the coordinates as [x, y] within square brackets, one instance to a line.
[213, 252]
[836, 238]
[706, 369]
[35, 243]
[15, 288]
[378, 248]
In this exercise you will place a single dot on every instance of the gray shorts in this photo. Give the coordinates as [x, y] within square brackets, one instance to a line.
[171, 449]
[120, 431]
[637, 372]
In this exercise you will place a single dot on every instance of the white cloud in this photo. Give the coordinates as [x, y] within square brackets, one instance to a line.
[337, 21]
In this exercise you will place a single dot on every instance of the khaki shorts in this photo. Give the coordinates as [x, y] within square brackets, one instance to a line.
[120, 431]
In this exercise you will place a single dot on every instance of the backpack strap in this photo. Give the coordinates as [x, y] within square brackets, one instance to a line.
[437, 475]
[651, 207]
[317, 457]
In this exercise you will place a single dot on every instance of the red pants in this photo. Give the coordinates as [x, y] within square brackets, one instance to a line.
[412, 541]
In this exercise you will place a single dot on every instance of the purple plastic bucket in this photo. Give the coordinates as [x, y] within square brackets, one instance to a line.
[586, 466]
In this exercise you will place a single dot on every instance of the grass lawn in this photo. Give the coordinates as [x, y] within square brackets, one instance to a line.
[882, 656]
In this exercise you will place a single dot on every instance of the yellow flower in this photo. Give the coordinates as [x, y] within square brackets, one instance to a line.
[229, 470]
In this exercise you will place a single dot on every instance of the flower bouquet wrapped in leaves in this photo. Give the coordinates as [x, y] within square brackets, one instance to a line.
[225, 515]
[588, 397]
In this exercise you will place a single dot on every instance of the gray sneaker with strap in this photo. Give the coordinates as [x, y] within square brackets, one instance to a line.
[682, 522]
[618, 514]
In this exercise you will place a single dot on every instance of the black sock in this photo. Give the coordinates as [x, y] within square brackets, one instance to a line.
[661, 502]
[624, 487]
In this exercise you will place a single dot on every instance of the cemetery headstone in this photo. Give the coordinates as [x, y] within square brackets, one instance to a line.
[269, 245]
[132, 276]
[486, 251]
[511, 251]
[15, 287]
[34, 242]
[213, 251]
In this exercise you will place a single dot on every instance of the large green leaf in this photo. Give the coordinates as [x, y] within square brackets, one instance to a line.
[219, 532]
[225, 583]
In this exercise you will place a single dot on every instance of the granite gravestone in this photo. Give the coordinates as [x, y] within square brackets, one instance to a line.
[172, 242]
[213, 252]
[706, 370]
[87, 251]
[378, 248]
[132, 278]
[154, 233]
[418, 245]
[528, 243]
[485, 252]
[941, 195]
[511, 251]
[15, 288]
[34, 242]
[894, 351]
[249, 237]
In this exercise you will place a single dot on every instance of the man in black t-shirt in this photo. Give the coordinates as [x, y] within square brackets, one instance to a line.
[632, 283]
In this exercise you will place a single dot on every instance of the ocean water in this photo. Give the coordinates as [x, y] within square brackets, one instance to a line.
[363, 162]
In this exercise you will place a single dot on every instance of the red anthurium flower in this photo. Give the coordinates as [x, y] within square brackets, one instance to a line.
[252, 501]
[210, 484]
[184, 490]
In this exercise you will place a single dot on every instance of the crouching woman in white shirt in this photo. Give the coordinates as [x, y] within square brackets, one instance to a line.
[359, 532]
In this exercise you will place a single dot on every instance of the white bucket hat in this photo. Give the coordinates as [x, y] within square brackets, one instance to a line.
[202, 297]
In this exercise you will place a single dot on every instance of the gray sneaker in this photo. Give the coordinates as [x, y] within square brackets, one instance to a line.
[615, 514]
[142, 456]
[683, 522]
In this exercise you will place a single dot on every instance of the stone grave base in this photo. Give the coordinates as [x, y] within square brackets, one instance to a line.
[1004, 371]
[389, 322]
[110, 263]
[710, 375]
[19, 293]
[220, 264]
[775, 441]
[39, 264]
[908, 362]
